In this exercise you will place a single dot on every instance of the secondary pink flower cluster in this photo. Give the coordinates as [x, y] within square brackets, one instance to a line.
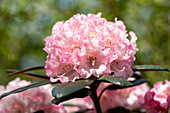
[157, 100]
[28, 101]
[130, 98]
[86, 45]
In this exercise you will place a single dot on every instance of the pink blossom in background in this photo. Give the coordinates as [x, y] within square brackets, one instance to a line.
[86, 45]
[80, 104]
[28, 101]
[157, 100]
[130, 98]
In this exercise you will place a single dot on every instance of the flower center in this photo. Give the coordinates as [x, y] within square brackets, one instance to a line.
[92, 60]
[67, 68]
[108, 42]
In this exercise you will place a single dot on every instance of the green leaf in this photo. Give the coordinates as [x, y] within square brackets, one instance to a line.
[149, 68]
[25, 88]
[115, 80]
[139, 81]
[83, 111]
[78, 94]
[115, 87]
[118, 110]
[134, 83]
[39, 111]
[168, 109]
[28, 69]
[32, 75]
[64, 89]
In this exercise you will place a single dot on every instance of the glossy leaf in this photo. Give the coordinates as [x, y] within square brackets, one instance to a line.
[25, 88]
[115, 80]
[115, 87]
[78, 94]
[32, 75]
[134, 83]
[139, 81]
[65, 89]
[149, 68]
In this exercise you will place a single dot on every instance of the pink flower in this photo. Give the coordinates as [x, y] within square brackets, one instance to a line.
[80, 104]
[59, 70]
[130, 98]
[30, 100]
[86, 45]
[157, 99]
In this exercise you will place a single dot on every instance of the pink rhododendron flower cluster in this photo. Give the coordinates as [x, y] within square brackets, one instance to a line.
[130, 98]
[28, 101]
[86, 45]
[157, 100]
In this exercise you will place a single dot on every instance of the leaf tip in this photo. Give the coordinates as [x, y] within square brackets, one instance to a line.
[55, 101]
[10, 74]
[167, 69]
[1, 96]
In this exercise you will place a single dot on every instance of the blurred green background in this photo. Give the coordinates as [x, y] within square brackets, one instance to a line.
[24, 24]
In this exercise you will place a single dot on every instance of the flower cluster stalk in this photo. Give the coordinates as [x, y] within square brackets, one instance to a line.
[94, 97]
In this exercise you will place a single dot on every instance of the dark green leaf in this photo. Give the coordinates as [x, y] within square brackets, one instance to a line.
[115, 80]
[139, 81]
[25, 88]
[39, 111]
[149, 68]
[78, 94]
[83, 111]
[115, 87]
[65, 89]
[28, 69]
[118, 110]
[32, 75]
[134, 83]
[136, 76]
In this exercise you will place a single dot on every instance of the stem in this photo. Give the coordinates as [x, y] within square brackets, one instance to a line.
[101, 93]
[93, 95]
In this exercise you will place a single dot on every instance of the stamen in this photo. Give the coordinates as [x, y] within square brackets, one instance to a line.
[58, 75]
[66, 68]
[93, 62]
[118, 69]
